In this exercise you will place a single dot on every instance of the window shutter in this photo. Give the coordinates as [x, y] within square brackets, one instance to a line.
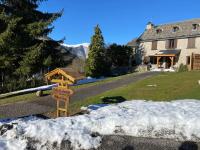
[191, 42]
[167, 44]
[175, 43]
[154, 45]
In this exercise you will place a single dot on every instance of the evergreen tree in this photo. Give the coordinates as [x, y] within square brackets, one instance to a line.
[24, 49]
[96, 62]
[119, 55]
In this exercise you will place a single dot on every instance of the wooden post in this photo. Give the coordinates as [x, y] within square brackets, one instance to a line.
[158, 58]
[172, 61]
[191, 62]
[62, 94]
[62, 84]
[157, 62]
[57, 108]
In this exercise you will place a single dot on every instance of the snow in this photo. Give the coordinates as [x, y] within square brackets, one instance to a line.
[162, 70]
[80, 50]
[77, 45]
[46, 87]
[177, 120]
[89, 80]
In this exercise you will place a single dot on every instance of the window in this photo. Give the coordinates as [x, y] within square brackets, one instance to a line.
[187, 60]
[172, 43]
[153, 60]
[195, 27]
[191, 43]
[159, 31]
[175, 29]
[154, 45]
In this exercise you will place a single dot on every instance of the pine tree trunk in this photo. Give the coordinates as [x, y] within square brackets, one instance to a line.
[2, 78]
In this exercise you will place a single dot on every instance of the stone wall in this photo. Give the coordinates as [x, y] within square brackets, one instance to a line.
[181, 45]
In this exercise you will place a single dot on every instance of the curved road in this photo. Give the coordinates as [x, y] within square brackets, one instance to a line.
[47, 104]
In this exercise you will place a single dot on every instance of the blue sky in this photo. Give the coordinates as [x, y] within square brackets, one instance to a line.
[120, 20]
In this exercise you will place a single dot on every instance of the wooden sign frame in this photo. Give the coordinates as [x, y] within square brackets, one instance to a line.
[62, 94]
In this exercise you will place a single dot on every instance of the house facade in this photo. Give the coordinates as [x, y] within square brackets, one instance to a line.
[169, 45]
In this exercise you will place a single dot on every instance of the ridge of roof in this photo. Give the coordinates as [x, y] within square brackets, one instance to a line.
[179, 22]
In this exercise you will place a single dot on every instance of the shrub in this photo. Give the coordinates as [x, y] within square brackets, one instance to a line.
[182, 68]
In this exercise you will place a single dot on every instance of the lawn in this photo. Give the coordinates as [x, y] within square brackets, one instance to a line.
[32, 96]
[163, 87]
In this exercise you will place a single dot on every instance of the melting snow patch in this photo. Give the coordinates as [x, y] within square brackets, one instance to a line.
[89, 80]
[162, 70]
[178, 120]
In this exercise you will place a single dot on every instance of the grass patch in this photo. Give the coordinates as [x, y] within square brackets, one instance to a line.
[169, 86]
[24, 97]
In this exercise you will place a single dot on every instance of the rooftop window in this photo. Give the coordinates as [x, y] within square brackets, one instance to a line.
[195, 27]
[175, 29]
[159, 31]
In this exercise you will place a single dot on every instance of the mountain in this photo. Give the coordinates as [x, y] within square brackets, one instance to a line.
[79, 50]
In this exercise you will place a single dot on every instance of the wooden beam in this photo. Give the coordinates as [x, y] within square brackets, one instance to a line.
[191, 62]
[62, 82]
[67, 76]
[172, 61]
[51, 73]
[60, 71]
[166, 55]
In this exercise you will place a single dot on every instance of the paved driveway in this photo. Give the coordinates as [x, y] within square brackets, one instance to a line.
[47, 104]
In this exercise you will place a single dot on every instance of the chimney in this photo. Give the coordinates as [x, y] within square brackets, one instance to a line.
[150, 26]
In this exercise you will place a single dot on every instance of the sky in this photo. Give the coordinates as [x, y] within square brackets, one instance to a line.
[119, 20]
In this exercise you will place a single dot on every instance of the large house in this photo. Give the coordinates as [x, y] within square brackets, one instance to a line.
[169, 45]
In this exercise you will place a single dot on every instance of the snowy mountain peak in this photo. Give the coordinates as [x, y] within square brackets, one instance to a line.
[77, 45]
[80, 50]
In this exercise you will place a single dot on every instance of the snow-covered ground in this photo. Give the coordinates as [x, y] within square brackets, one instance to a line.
[89, 80]
[43, 88]
[162, 70]
[179, 120]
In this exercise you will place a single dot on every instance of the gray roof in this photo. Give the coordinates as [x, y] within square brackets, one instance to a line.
[185, 30]
[133, 43]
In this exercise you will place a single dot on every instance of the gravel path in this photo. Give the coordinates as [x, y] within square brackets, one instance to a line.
[47, 104]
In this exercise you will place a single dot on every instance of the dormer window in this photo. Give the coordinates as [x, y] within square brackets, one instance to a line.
[159, 31]
[175, 29]
[195, 27]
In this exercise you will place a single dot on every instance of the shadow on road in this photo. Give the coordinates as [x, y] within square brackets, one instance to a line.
[113, 100]
[188, 145]
[128, 148]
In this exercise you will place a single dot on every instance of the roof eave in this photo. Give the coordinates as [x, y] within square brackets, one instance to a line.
[167, 38]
